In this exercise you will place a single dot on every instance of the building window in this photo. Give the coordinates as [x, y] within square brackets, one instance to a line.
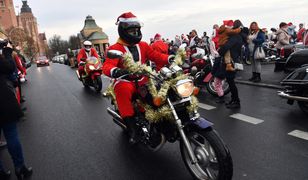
[2, 3]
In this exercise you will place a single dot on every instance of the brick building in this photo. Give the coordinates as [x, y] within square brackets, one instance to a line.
[25, 21]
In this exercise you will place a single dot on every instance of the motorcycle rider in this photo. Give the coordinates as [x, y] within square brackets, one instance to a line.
[159, 45]
[130, 42]
[83, 54]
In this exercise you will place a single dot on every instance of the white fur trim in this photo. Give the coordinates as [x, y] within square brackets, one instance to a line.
[111, 71]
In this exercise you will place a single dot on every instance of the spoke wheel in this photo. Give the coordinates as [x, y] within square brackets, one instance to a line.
[211, 87]
[213, 159]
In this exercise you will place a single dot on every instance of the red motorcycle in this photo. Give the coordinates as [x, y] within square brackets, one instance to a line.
[200, 68]
[92, 75]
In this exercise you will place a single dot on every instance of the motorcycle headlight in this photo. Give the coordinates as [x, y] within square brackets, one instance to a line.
[185, 88]
[91, 67]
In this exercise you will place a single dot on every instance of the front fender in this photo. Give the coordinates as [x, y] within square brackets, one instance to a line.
[95, 74]
[199, 123]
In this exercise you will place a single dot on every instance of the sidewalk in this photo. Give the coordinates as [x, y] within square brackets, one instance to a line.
[270, 79]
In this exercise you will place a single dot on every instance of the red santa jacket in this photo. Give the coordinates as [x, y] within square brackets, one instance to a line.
[145, 53]
[160, 46]
[18, 63]
[83, 55]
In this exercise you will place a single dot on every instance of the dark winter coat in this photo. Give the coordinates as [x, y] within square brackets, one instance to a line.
[234, 44]
[9, 107]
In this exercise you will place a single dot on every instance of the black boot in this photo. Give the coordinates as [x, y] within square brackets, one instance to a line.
[258, 78]
[132, 129]
[220, 100]
[5, 175]
[23, 172]
[253, 77]
[234, 104]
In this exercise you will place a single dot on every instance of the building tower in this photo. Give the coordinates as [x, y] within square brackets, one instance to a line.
[7, 15]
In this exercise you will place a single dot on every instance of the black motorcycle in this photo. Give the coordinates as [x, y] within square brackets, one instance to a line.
[166, 110]
[296, 88]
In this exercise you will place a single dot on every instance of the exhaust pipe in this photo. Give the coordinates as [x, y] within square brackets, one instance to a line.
[288, 96]
[116, 118]
[77, 73]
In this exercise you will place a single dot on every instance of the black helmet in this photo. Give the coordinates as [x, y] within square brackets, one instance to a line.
[130, 32]
[129, 28]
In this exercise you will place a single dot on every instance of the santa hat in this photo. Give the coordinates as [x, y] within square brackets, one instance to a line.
[228, 23]
[127, 17]
[157, 36]
[290, 24]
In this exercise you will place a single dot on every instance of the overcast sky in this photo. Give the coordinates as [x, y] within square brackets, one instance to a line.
[66, 17]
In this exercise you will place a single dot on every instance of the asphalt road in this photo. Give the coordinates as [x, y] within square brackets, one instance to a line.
[68, 135]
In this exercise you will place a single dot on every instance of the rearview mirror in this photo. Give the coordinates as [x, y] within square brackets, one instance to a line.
[113, 54]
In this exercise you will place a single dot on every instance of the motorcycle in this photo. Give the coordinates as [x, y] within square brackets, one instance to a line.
[166, 110]
[200, 69]
[296, 88]
[92, 75]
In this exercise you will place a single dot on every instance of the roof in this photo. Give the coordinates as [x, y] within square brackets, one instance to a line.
[90, 23]
[97, 36]
[25, 8]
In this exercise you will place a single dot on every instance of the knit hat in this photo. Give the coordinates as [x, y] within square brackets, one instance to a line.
[127, 17]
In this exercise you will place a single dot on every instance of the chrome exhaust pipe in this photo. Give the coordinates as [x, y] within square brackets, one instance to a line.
[116, 118]
[288, 96]
[77, 73]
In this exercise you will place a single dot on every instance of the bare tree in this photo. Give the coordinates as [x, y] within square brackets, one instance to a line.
[74, 42]
[30, 48]
[57, 45]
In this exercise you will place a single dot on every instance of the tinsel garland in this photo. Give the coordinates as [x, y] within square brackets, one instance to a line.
[134, 67]
[164, 112]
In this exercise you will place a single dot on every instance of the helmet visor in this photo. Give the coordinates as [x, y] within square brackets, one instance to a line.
[128, 25]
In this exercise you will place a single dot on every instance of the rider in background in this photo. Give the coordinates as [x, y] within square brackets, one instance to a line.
[130, 42]
[159, 45]
[83, 54]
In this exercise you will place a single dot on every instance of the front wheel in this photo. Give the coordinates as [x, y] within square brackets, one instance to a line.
[98, 84]
[210, 87]
[214, 161]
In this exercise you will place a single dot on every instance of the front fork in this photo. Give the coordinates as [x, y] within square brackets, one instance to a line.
[182, 134]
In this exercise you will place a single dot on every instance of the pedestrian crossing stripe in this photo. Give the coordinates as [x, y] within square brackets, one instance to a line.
[299, 134]
[206, 106]
[248, 119]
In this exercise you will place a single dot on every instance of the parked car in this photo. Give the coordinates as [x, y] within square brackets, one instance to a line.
[27, 63]
[42, 61]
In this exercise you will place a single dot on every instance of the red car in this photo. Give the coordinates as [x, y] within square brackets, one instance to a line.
[42, 61]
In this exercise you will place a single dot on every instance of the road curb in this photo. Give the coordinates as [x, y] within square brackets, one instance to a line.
[272, 86]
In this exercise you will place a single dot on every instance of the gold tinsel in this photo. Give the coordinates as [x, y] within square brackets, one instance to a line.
[164, 112]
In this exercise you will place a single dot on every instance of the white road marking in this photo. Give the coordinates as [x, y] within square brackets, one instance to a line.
[206, 106]
[299, 134]
[245, 118]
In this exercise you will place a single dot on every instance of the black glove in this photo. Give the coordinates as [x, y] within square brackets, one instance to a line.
[119, 72]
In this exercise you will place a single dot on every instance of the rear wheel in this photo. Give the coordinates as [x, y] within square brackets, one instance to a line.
[211, 87]
[98, 84]
[214, 161]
